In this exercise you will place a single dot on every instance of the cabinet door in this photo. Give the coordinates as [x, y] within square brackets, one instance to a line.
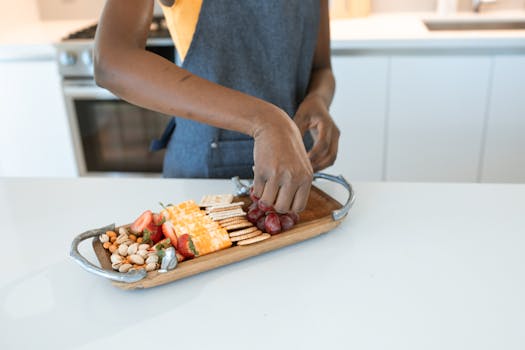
[35, 134]
[436, 117]
[504, 158]
[359, 109]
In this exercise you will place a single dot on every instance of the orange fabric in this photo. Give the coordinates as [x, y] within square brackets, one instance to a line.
[182, 19]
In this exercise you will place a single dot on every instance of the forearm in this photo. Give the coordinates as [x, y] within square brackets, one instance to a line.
[123, 66]
[322, 85]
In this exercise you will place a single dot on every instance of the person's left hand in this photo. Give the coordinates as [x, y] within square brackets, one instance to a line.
[313, 116]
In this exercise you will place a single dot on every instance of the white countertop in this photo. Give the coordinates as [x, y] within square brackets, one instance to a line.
[376, 32]
[414, 266]
[407, 31]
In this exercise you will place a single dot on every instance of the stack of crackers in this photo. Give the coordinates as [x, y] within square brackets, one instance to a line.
[233, 219]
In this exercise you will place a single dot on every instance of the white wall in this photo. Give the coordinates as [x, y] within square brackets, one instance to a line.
[17, 11]
[430, 5]
[73, 9]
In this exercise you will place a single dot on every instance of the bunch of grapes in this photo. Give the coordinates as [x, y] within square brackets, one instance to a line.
[267, 219]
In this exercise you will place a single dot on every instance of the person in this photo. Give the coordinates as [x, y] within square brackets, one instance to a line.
[247, 68]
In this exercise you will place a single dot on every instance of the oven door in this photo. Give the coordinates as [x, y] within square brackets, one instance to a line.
[111, 136]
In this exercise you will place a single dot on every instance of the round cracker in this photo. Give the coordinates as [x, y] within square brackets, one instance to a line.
[236, 226]
[243, 231]
[230, 221]
[246, 236]
[253, 240]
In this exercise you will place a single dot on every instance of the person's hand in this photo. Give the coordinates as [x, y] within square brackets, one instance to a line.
[282, 172]
[313, 116]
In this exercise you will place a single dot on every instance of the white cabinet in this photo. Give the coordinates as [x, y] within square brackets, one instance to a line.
[504, 156]
[34, 134]
[359, 109]
[436, 117]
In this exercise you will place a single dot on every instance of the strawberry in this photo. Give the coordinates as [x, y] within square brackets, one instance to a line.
[142, 222]
[169, 231]
[180, 257]
[153, 234]
[158, 219]
[186, 246]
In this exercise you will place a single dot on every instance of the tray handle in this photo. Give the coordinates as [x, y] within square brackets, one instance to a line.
[244, 190]
[128, 277]
[339, 213]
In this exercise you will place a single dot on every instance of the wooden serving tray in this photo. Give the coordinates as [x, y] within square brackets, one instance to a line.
[316, 219]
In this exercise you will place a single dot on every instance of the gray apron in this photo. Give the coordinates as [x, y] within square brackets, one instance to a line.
[263, 48]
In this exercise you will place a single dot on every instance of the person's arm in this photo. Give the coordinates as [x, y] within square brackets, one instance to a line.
[312, 115]
[283, 173]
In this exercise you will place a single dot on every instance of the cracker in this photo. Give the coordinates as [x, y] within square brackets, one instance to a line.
[226, 215]
[222, 207]
[246, 236]
[242, 232]
[231, 220]
[236, 226]
[215, 199]
[256, 239]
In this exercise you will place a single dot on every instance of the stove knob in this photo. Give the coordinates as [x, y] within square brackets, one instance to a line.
[87, 57]
[67, 58]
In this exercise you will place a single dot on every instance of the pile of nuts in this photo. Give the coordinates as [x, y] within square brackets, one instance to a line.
[128, 253]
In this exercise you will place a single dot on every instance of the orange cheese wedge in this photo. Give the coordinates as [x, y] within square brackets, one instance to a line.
[207, 235]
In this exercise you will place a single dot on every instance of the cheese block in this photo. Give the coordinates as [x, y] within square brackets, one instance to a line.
[207, 236]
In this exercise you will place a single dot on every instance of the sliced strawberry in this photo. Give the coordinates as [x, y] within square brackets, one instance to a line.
[157, 235]
[142, 222]
[169, 232]
[180, 257]
[158, 219]
[186, 246]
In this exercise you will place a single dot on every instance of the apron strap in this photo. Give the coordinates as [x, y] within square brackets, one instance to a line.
[157, 145]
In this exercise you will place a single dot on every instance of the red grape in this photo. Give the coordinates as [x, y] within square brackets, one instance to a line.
[254, 215]
[272, 223]
[286, 222]
[260, 223]
[265, 208]
[254, 198]
[294, 216]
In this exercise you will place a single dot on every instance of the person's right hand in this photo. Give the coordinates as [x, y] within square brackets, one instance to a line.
[282, 173]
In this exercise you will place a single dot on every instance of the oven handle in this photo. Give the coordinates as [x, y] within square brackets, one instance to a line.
[88, 92]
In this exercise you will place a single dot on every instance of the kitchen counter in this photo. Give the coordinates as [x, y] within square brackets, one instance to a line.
[34, 40]
[414, 266]
[407, 31]
[376, 32]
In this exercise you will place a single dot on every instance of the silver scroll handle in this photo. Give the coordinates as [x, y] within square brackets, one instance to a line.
[128, 277]
[244, 190]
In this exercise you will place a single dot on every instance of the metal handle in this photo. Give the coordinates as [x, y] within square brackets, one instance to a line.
[128, 277]
[244, 189]
[339, 213]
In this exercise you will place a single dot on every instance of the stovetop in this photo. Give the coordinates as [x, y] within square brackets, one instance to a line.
[158, 30]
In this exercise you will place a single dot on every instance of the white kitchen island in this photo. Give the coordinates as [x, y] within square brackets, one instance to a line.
[414, 266]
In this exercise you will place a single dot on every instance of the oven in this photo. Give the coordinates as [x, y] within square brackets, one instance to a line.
[111, 137]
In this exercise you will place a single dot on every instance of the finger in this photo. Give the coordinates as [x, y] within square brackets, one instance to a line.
[285, 198]
[330, 156]
[301, 197]
[271, 188]
[302, 125]
[258, 184]
[321, 147]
